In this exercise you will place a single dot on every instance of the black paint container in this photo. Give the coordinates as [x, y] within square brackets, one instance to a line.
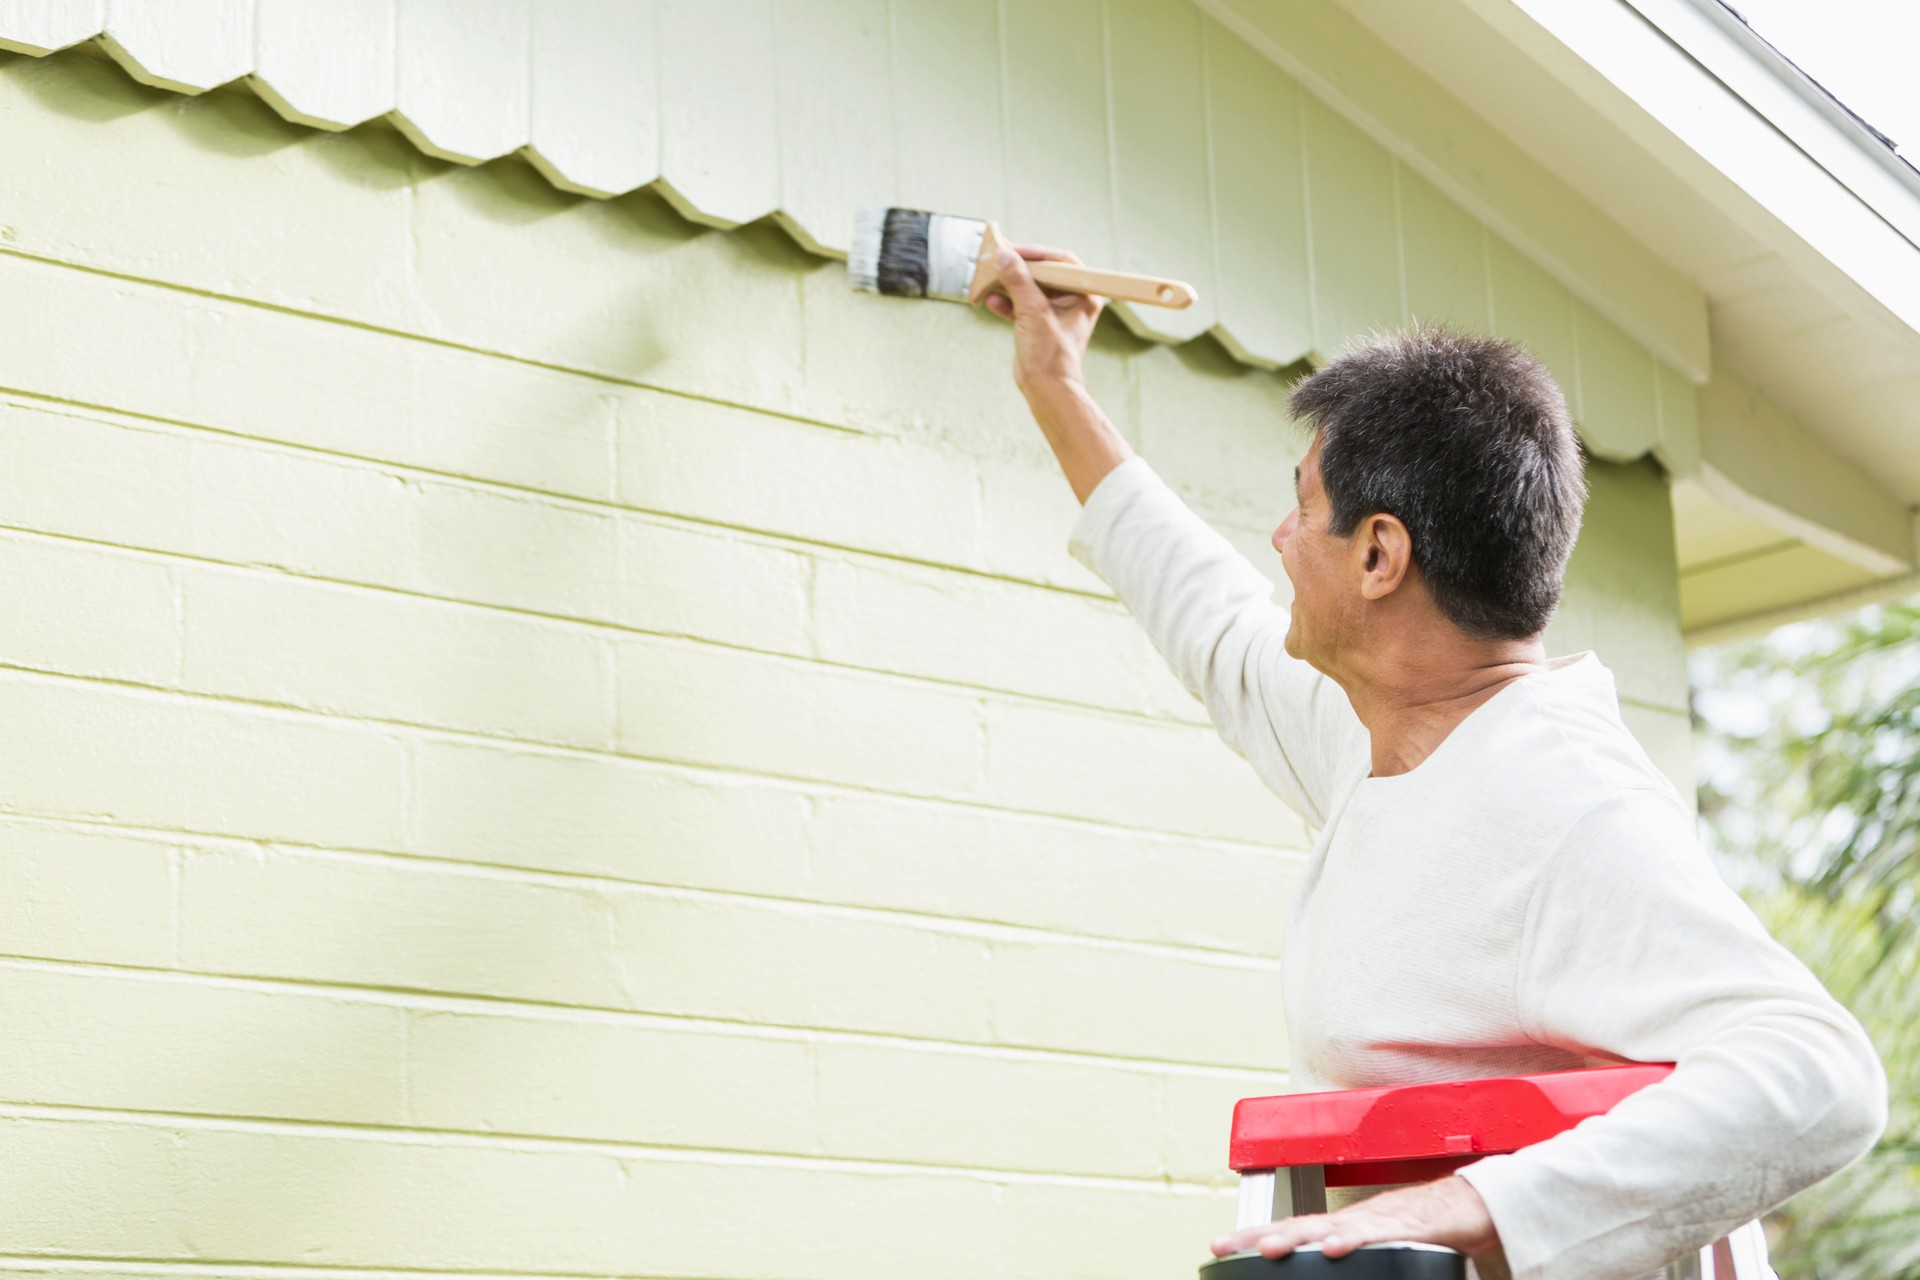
[1368, 1262]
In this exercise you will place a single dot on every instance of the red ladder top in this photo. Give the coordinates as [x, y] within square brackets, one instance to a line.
[1366, 1137]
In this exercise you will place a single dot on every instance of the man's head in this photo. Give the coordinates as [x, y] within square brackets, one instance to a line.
[1444, 479]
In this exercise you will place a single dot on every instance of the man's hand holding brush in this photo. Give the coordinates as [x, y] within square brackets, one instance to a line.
[1050, 336]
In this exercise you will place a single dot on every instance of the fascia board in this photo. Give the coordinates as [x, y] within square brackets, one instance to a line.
[1417, 119]
[1748, 66]
[1673, 106]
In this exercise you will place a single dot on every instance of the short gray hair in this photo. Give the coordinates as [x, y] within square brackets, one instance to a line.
[1467, 441]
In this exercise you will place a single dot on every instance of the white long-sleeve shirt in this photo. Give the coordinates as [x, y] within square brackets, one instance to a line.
[1531, 897]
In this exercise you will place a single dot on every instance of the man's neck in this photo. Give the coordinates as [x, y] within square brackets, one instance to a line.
[1410, 696]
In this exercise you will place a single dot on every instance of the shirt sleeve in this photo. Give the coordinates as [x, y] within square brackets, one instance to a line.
[1635, 950]
[1211, 615]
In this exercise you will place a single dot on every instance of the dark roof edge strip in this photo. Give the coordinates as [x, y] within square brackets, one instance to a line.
[1883, 147]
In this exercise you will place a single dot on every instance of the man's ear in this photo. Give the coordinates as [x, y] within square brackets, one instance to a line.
[1384, 549]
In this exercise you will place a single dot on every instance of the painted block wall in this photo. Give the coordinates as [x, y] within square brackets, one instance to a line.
[544, 739]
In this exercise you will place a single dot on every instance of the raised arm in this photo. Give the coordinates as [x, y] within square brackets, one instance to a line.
[1211, 615]
[1207, 609]
[1050, 336]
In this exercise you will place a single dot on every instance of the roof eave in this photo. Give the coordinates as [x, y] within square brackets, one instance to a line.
[1714, 109]
[1768, 156]
[1900, 206]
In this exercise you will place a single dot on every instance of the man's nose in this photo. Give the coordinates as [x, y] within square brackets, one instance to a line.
[1285, 530]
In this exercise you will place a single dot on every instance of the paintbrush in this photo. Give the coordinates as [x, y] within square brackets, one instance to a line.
[915, 254]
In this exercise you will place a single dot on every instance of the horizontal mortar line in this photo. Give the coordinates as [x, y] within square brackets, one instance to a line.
[95, 1264]
[555, 497]
[175, 836]
[1284, 853]
[443, 1139]
[925, 921]
[422, 1000]
[215, 1269]
[467, 737]
[986, 930]
[519, 874]
[404, 335]
[651, 1152]
[596, 626]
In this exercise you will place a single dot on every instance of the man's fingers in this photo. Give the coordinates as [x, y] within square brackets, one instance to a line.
[1337, 1234]
[1246, 1237]
[1018, 281]
[1448, 1212]
[1048, 253]
[1254, 1237]
[1275, 1239]
[1341, 1241]
[1000, 305]
[1282, 1238]
[1241, 1239]
[1045, 253]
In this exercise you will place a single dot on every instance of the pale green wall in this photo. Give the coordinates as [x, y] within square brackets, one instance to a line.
[1623, 601]
[540, 738]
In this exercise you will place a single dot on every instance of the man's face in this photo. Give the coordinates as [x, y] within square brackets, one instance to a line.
[1312, 558]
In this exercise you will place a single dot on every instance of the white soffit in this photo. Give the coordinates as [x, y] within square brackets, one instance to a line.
[1812, 288]
[1794, 104]
[1797, 162]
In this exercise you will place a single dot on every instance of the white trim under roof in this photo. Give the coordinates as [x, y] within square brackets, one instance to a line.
[1655, 52]
[1814, 117]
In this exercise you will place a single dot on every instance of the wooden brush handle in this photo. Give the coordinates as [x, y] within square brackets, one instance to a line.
[1124, 285]
[1068, 278]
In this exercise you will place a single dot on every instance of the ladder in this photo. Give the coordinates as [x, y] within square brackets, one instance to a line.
[1289, 1150]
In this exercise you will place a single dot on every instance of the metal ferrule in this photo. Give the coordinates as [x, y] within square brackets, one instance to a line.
[953, 245]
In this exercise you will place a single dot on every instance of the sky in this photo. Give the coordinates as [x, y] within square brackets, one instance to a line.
[1863, 51]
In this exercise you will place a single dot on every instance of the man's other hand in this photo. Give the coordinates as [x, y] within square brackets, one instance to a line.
[1448, 1212]
[1050, 331]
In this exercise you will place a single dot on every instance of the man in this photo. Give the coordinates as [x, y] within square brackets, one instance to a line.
[1503, 882]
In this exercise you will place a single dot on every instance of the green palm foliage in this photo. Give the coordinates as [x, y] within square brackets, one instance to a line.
[1810, 797]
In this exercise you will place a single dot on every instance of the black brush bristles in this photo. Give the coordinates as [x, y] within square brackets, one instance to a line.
[889, 251]
[903, 253]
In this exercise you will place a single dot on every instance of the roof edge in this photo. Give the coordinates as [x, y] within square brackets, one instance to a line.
[1808, 113]
[1648, 83]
